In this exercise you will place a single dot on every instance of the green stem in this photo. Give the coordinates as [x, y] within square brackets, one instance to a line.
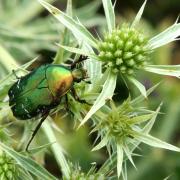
[59, 58]
[57, 149]
[8, 62]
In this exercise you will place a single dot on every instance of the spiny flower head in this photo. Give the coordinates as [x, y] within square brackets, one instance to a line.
[123, 127]
[120, 124]
[116, 123]
[124, 49]
[8, 168]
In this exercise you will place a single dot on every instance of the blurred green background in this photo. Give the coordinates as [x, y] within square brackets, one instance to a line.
[27, 30]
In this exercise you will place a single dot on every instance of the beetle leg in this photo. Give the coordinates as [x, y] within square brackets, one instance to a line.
[76, 97]
[87, 81]
[66, 103]
[69, 61]
[45, 87]
[36, 130]
[81, 59]
[67, 106]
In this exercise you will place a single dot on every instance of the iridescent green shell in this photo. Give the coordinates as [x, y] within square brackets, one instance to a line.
[39, 91]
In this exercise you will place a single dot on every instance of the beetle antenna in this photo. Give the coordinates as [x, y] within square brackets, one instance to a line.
[36, 130]
[81, 59]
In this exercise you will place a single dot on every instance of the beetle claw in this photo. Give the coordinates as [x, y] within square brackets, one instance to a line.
[36, 130]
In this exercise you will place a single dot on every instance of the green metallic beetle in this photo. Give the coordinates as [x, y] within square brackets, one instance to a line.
[42, 89]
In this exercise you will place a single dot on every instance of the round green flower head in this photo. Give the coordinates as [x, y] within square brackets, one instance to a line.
[124, 50]
[117, 123]
[8, 169]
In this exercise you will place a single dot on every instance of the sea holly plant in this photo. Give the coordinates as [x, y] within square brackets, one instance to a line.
[122, 50]
[122, 128]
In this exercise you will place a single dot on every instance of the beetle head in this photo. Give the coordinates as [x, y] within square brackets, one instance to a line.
[79, 74]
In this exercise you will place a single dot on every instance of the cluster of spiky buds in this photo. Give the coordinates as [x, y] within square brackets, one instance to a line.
[124, 50]
[77, 173]
[117, 122]
[8, 169]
